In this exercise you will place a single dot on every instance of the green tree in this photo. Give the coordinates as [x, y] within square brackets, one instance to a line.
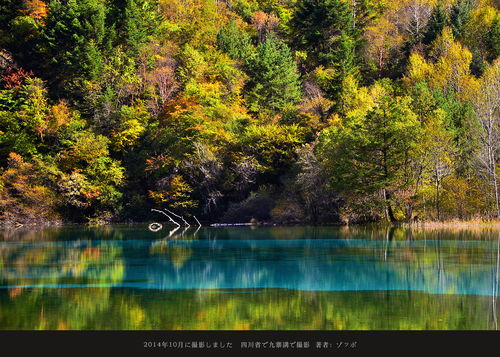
[21, 124]
[368, 154]
[494, 38]
[438, 20]
[459, 119]
[141, 20]
[460, 17]
[436, 149]
[327, 32]
[73, 39]
[273, 146]
[274, 83]
[236, 43]
[318, 26]
[90, 180]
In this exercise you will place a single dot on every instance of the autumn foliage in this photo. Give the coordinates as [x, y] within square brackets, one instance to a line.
[291, 111]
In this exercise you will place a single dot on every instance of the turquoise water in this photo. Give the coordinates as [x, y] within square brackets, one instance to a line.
[126, 277]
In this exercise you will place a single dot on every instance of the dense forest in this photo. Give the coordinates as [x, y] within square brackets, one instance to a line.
[321, 111]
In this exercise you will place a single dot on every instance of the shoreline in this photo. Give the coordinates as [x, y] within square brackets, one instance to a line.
[456, 224]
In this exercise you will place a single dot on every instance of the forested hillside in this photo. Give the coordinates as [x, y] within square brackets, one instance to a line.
[283, 111]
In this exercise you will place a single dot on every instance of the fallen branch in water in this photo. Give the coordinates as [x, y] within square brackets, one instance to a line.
[176, 215]
[231, 224]
[170, 218]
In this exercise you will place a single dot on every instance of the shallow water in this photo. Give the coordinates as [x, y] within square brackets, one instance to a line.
[126, 277]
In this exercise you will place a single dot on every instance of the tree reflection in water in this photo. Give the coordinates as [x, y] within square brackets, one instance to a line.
[265, 278]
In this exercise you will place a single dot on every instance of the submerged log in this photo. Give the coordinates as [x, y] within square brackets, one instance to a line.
[231, 224]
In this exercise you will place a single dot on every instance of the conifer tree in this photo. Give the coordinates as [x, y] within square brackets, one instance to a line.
[237, 44]
[73, 37]
[460, 17]
[140, 21]
[438, 20]
[275, 82]
[317, 27]
[494, 38]
[327, 32]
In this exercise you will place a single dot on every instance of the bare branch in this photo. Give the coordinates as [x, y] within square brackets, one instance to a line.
[170, 218]
[176, 215]
[199, 224]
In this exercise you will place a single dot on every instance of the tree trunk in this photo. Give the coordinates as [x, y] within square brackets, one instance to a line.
[492, 169]
[496, 189]
[390, 212]
[438, 210]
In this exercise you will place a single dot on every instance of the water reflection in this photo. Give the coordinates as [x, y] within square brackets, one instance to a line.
[126, 277]
[97, 308]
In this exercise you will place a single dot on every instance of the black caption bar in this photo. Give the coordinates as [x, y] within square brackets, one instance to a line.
[317, 342]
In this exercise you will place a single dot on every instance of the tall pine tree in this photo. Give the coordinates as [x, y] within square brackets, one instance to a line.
[494, 38]
[140, 21]
[237, 44]
[274, 81]
[460, 17]
[72, 42]
[318, 26]
[328, 32]
[438, 20]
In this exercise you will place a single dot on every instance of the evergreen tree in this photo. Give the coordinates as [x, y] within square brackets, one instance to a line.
[274, 82]
[494, 38]
[140, 21]
[73, 38]
[318, 26]
[362, 12]
[344, 57]
[327, 32]
[438, 20]
[460, 17]
[237, 44]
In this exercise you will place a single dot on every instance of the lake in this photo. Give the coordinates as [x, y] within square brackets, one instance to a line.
[126, 277]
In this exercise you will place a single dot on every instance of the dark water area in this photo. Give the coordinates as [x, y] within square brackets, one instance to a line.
[227, 278]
